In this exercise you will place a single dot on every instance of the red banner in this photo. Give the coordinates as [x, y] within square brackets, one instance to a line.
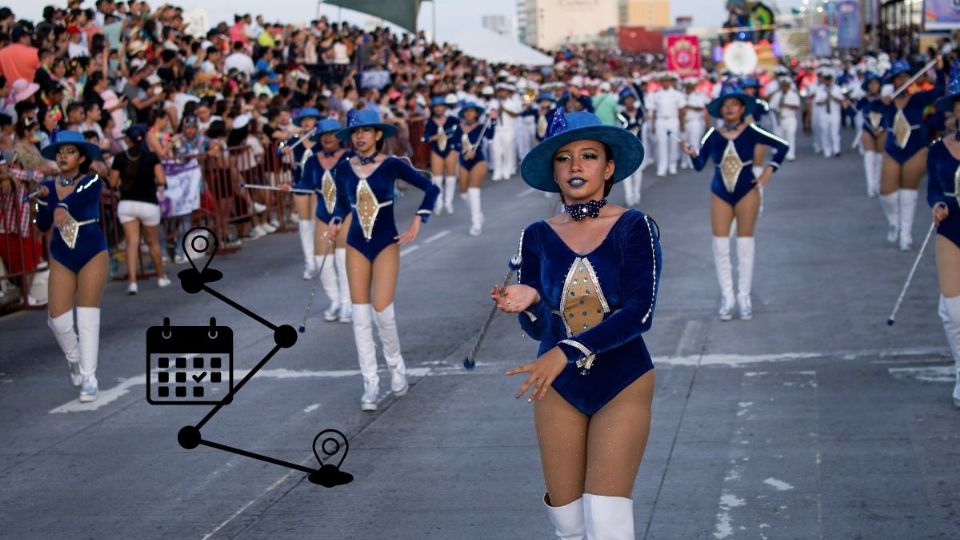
[683, 55]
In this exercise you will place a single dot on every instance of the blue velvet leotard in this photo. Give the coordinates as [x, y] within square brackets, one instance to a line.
[83, 204]
[371, 200]
[713, 146]
[913, 111]
[943, 184]
[313, 173]
[451, 127]
[870, 108]
[623, 274]
[300, 156]
[473, 136]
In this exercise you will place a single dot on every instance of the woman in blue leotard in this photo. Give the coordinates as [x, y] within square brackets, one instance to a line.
[442, 134]
[943, 194]
[78, 259]
[905, 159]
[305, 203]
[872, 135]
[366, 187]
[318, 174]
[732, 147]
[588, 304]
[473, 164]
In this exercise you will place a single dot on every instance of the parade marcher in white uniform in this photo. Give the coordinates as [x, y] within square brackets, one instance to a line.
[829, 100]
[786, 106]
[504, 148]
[693, 115]
[666, 124]
[525, 124]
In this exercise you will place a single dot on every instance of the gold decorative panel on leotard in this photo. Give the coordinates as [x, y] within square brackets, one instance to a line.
[442, 139]
[367, 208]
[901, 129]
[542, 127]
[875, 119]
[329, 190]
[583, 305]
[69, 231]
[730, 167]
[465, 143]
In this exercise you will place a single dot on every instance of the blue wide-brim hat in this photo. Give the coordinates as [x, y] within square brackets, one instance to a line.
[438, 100]
[870, 76]
[898, 67]
[471, 105]
[945, 104]
[365, 118]
[750, 82]
[544, 96]
[327, 125]
[625, 147]
[307, 112]
[731, 90]
[74, 138]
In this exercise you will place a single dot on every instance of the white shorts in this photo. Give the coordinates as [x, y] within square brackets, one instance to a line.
[147, 213]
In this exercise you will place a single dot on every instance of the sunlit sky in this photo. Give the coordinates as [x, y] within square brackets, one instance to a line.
[450, 13]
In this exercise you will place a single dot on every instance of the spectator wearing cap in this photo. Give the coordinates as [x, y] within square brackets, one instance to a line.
[139, 175]
[19, 59]
[76, 45]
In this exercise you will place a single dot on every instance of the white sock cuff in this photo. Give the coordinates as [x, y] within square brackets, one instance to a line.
[88, 313]
[745, 242]
[61, 323]
[437, 179]
[387, 313]
[721, 244]
[952, 307]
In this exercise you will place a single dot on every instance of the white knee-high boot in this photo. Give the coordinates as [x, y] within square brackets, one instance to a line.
[88, 333]
[340, 256]
[608, 518]
[637, 177]
[877, 169]
[868, 170]
[950, 315]
[628, 191]
[476, 212]
[908, 208]
[891, 209]
[721, 259]
[62, 327]
[366, 355]
[567, 520]
[328, 280]
[745, 251]
[307, 228]
[438, 206]
[449, 190]
[386, 322]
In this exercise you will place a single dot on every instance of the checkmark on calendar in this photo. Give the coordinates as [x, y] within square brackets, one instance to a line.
[200, 377]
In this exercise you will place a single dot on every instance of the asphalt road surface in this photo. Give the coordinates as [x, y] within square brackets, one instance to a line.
[814, 420]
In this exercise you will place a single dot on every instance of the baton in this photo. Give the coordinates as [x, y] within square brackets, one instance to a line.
[274, 188]
[903, 291]
[299, 141]
[30, 195]
[470, 361]
[913, 79]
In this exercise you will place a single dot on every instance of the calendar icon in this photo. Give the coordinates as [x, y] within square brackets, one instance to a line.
[189, 365]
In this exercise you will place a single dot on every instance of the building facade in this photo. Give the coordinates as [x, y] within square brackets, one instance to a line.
[646, 13]
[548, 24]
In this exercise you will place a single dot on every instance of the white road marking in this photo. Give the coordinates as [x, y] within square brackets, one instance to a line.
[410, 249]
[735, 360]
[938, 374]
[311, 408]
[527, 192]
[437, 236]
[691, 338]
[778, 485]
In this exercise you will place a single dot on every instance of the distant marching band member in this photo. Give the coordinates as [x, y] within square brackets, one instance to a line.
[441, 133]
[366, 187]
[305, 203]
[631, 119]
[78, 255]
[872, 135]
[694, 122]
[905, 162]
[473, 165]
[506, 112]
[829, 100]
[318, 170]
[786, 105]
[666, 124]
[732, 147]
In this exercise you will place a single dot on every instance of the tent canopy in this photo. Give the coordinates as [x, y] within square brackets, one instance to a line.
[402, 13]
[495, 48]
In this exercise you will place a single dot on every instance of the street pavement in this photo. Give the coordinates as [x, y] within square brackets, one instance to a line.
[812, 421]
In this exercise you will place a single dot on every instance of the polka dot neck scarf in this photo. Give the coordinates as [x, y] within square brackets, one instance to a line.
[580, 212]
